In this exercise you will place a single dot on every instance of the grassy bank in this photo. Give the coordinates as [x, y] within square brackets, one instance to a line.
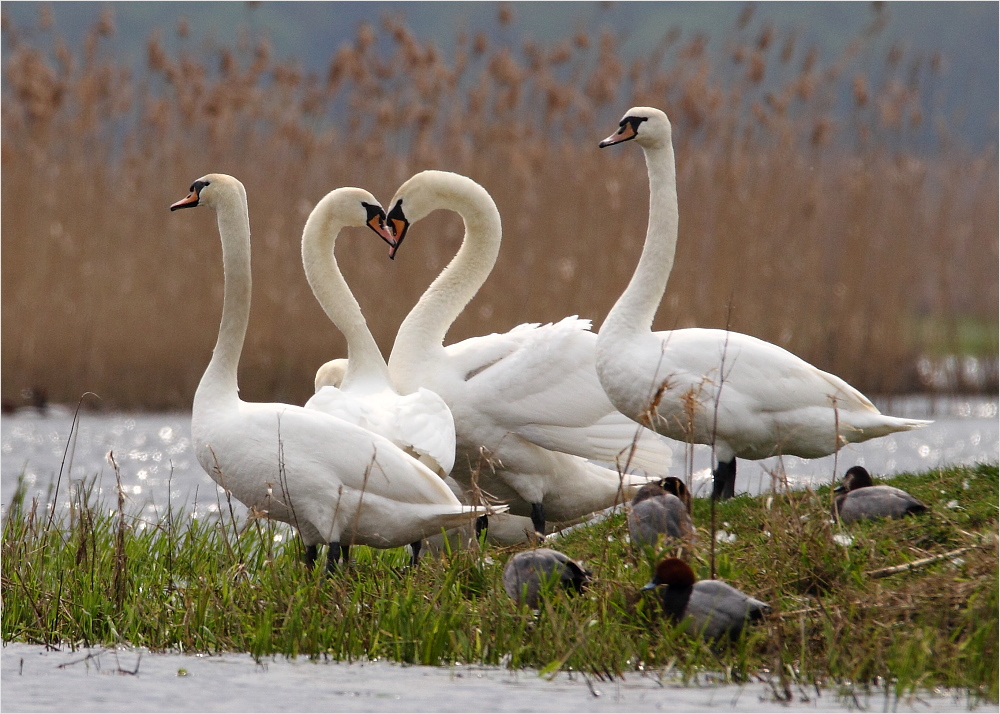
[802, 221]
[97, 575]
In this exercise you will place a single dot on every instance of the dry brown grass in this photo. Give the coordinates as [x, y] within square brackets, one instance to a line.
[840, 255]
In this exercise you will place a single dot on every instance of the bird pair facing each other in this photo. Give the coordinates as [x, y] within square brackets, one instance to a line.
[543, 460]
[708, 608]
[529, 411]
[335, 481]
[539, 444]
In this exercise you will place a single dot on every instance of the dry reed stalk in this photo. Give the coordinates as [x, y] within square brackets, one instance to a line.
[840, 255]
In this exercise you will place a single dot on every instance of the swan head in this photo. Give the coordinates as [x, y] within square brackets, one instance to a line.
[331, 374]
[427, 191]
[647, 125]
[355, 207]
[209, 190]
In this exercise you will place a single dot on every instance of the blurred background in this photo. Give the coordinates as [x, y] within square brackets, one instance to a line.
[837, 167]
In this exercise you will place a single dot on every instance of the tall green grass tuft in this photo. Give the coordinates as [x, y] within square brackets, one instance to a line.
[845, 612]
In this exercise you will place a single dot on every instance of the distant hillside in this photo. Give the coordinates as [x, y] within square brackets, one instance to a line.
[964, 33]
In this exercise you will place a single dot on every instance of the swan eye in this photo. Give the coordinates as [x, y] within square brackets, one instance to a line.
[633, 122]
[372, 211]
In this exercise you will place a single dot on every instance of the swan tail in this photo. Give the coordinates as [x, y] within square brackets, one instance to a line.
[859, 428]
[456, 519]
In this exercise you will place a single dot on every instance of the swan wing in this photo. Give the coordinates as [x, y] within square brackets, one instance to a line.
[317, 443]
[613, 439]
[335, 402]
[424, 422]
[766, 377]
[550, 380]
[475, 354]
[419, 423]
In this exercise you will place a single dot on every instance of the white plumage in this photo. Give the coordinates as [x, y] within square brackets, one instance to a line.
[419, 423]
[748, 398]
[334, 481]
[528, 399]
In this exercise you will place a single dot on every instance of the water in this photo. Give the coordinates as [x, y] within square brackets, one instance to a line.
[157, 468]
[111, 680]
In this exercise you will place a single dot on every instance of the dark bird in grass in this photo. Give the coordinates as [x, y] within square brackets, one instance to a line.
[526, 572]
[859, 499]
[711, 609]
[661, 510]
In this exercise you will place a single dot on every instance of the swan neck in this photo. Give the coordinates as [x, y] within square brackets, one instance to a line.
[219, 386]
[365, 360]
[421, 336]
[636, 308]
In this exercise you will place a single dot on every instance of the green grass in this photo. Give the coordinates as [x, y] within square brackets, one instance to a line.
[97, 575]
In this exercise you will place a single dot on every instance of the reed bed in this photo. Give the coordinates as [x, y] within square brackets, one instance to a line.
[889, 606]
[801, 223]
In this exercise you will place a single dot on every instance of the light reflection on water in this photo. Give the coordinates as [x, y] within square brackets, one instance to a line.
[158, 468]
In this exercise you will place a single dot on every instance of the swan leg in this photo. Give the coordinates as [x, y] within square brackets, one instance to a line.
[415, 555]
[482, 523]
[724, 480]
[345, 554]
[310, 557]
[538, 519]
[333, 555]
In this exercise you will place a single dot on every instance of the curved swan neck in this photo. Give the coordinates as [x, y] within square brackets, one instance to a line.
[423, 331]
[636, 308]
[365, 360]
[219, 384]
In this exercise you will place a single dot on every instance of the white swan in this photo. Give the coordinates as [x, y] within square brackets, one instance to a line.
[522, 398]
[749, 398]
[335, 482]
[505, 529]
[419, 423]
